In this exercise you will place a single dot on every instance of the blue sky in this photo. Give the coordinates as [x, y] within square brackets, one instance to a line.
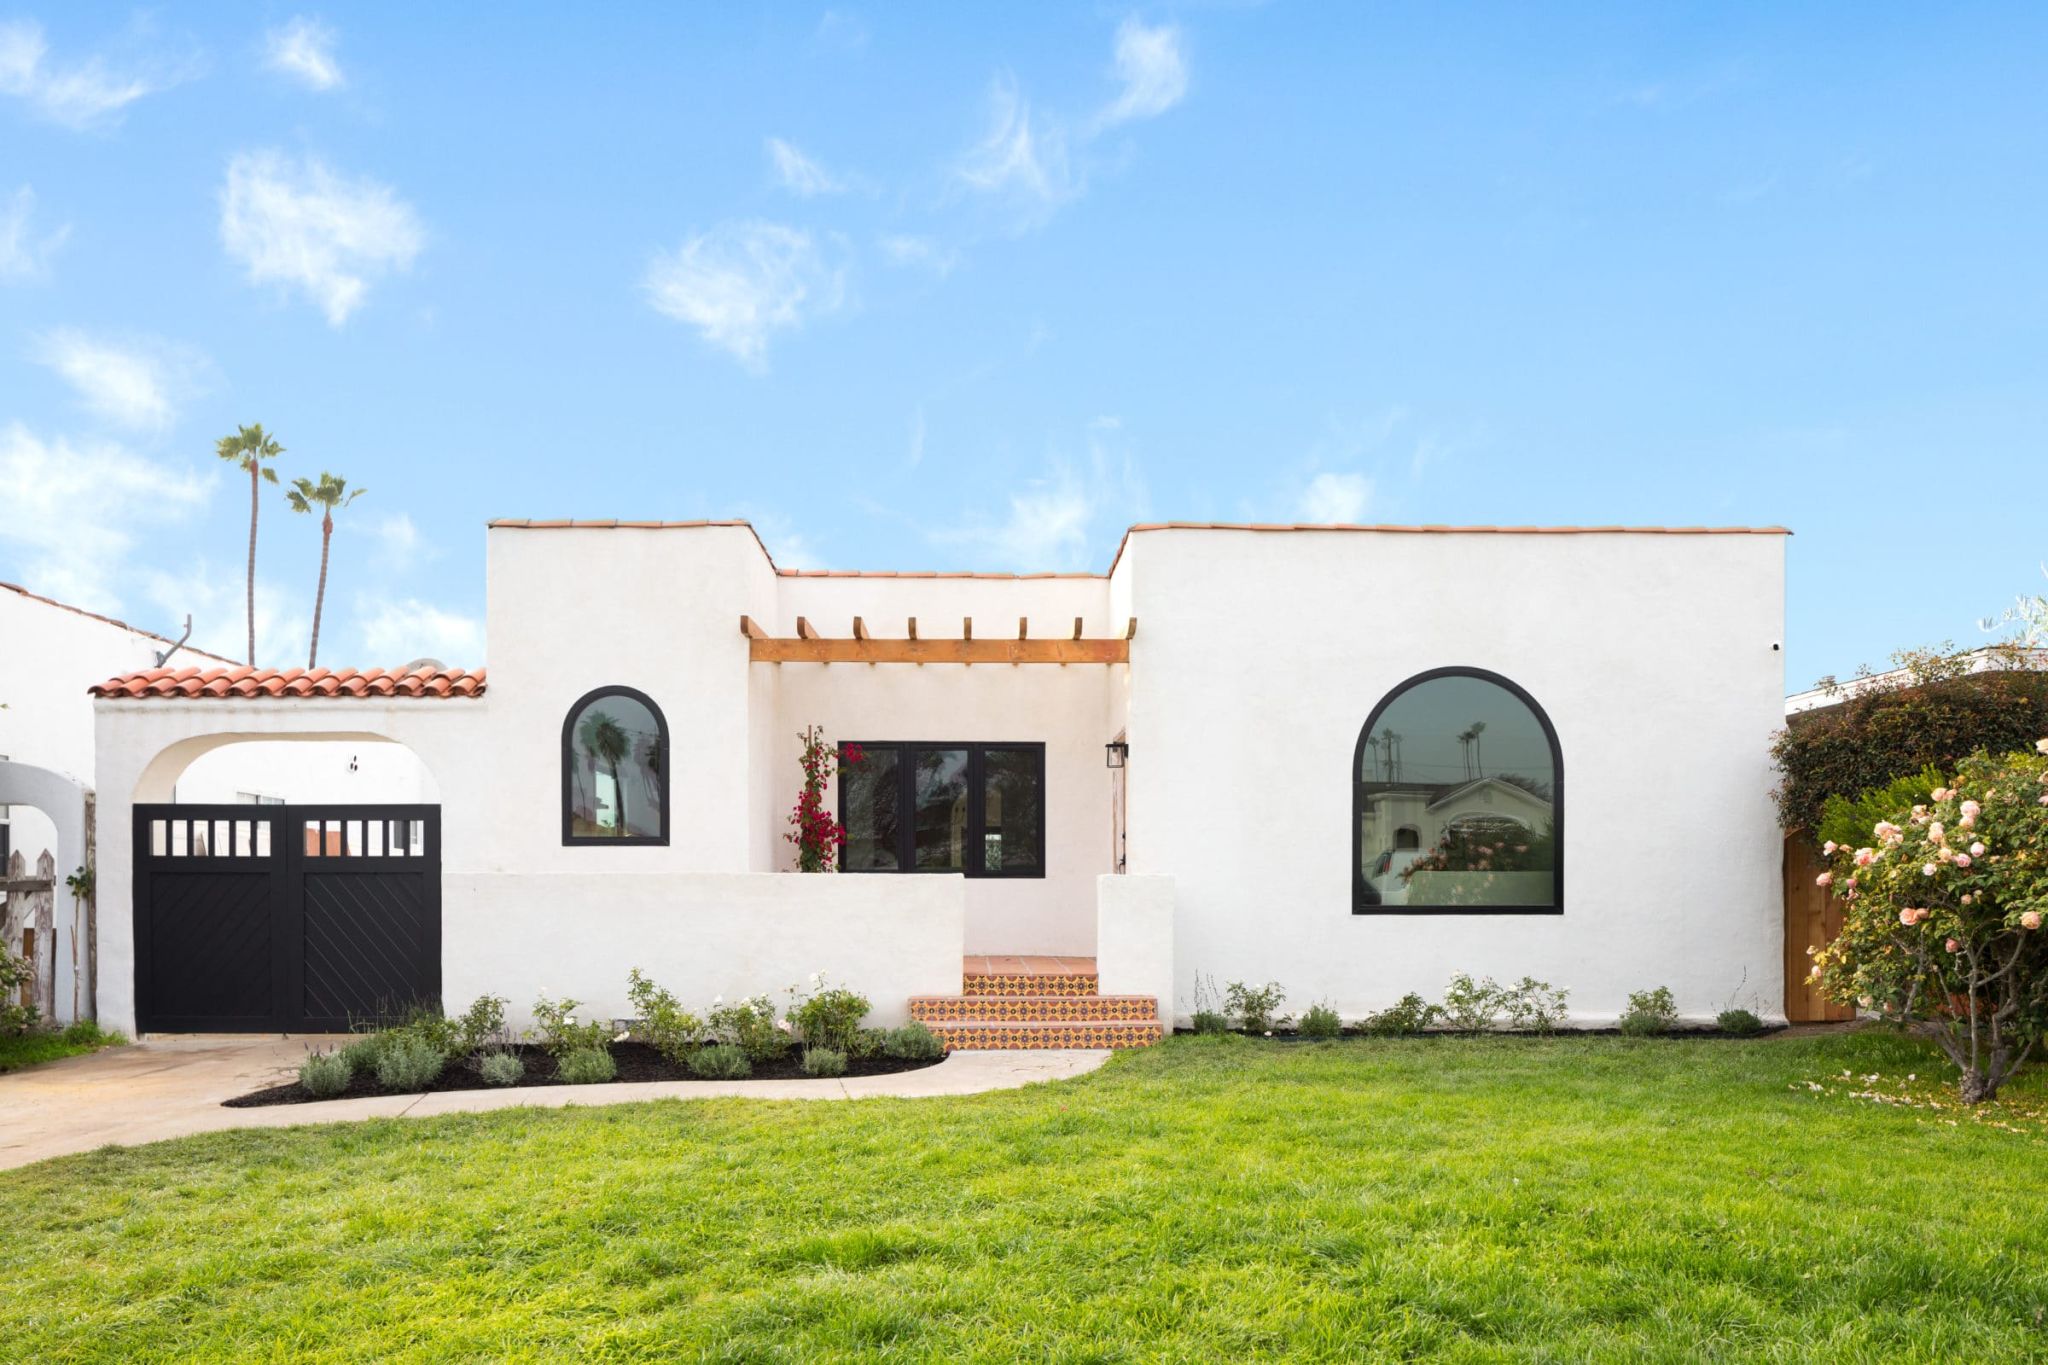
[950, 286]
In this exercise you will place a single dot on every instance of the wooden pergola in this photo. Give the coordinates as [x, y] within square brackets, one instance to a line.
[807, 646]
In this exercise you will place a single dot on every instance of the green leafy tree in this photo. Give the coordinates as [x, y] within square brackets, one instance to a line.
[247, 449]
[605, 740]
[327, 495]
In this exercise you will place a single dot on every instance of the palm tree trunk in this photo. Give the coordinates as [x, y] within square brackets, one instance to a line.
[320, 593]
[250, 583]
[619, 794]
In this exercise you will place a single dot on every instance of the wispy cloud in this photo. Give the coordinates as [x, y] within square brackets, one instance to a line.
[1335, 497]
[24, 256]
[136, 383]
[296, 223]
[399, 630]
[1061, 519]
[799, 174]
[1021, 159]
[303, 49]
[742, 282]
[82, 94]
[1153, 68]
[917, 432]
[905, 249]
[75, 509]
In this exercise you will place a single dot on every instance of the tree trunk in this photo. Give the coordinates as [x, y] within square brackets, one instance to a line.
[250, 583]
[1975, 1087]
[619, 794]
[320, 593]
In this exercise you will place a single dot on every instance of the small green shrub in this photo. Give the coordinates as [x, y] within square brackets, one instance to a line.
[1741, 1023]
[324, 1074]
[363, 1052]
[913, 1042]
[1649, 1012]
[665, 1025]
[409, 1063]
[562, 1032]
[586, 1066]
[1472, 1006]
[88, 1033]
[752, 1027]
[1211, 1021]
[824, 1061]
[478, 1026]
[720, 1062]
[501, 1068]
[869, 1042]
[831, 1017]
[1533, 1005]
[1320, 1021]
[1410, 1014]
[1253, 1006]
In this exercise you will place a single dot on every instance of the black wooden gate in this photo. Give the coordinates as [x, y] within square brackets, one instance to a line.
[284, 919]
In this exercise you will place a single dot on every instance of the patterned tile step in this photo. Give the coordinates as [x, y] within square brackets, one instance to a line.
[1027, 1009]
[1028, 983]
[979, 1037]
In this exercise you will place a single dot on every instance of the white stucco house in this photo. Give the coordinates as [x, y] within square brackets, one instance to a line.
[1331, 757]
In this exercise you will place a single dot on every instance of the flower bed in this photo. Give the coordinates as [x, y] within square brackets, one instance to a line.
[635, 1062]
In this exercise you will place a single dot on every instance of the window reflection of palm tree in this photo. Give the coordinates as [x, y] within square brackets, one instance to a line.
[605, 739]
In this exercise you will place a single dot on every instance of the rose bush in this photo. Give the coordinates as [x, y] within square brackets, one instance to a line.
[817, 835]
[1942, 918]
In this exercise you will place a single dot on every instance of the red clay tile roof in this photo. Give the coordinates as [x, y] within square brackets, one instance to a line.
[108, 620]
[293, 682]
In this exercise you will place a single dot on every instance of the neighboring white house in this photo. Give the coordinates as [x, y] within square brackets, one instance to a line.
[1186, 769]
[53, 653]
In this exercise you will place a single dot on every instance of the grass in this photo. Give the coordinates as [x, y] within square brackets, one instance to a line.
[29, 1049]
[1210, 1199]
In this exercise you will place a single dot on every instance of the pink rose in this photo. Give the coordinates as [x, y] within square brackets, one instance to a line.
[1824, 879]
[1953, 946]
[1927, 869]
[1962, 860]
[1977, 850]
[1907, 917]
[1934, 833]
[1828, 848]
[1972, 809]
[2031, 920]
[1865, 857]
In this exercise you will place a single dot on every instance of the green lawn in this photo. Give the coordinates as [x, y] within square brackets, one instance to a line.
[27, 1049]
[1213, 1199]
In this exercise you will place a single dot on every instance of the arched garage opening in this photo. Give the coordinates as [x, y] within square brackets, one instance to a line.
[44, 918]
[299, 893]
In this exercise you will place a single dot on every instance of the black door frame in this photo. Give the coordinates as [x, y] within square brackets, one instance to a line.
[236, 845]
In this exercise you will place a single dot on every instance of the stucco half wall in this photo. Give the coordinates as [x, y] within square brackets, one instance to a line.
[702, 935]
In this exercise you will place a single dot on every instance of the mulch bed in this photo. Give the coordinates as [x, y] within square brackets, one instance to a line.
[636, 1062]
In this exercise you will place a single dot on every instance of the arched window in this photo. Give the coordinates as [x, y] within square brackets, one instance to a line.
[1457, 801]
[615, 769]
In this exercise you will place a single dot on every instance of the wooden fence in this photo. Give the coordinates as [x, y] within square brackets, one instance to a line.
[1813, 916]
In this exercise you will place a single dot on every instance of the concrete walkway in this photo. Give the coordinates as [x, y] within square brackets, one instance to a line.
[149, 1091]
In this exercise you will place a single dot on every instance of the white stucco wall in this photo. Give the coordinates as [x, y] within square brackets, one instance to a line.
[702, 935]
[1066, 709]
[1134, 952]
[1260, 654]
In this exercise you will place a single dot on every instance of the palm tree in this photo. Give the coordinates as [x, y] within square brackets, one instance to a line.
[604, 738]
[327, 495]
[1478, 748]
[249, 447]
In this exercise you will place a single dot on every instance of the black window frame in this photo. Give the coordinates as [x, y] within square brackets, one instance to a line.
[977, 795]
[570, 839]
[1360, 890]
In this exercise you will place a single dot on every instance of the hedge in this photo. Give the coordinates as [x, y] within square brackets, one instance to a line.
[1868, 740]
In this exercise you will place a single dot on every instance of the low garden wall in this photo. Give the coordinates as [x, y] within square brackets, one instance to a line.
[701, 935]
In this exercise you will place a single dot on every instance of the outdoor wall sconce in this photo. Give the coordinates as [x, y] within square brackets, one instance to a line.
[1117, 751]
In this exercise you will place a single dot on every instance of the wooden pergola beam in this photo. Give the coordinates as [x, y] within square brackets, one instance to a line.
[752, 629]
[860, 629]
[805, 630]
[806, 650]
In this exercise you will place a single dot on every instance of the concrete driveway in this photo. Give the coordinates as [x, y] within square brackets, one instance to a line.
[166, 1088]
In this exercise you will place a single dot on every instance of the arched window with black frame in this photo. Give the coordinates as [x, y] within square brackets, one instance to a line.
[615, 768]
[1457, 801]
